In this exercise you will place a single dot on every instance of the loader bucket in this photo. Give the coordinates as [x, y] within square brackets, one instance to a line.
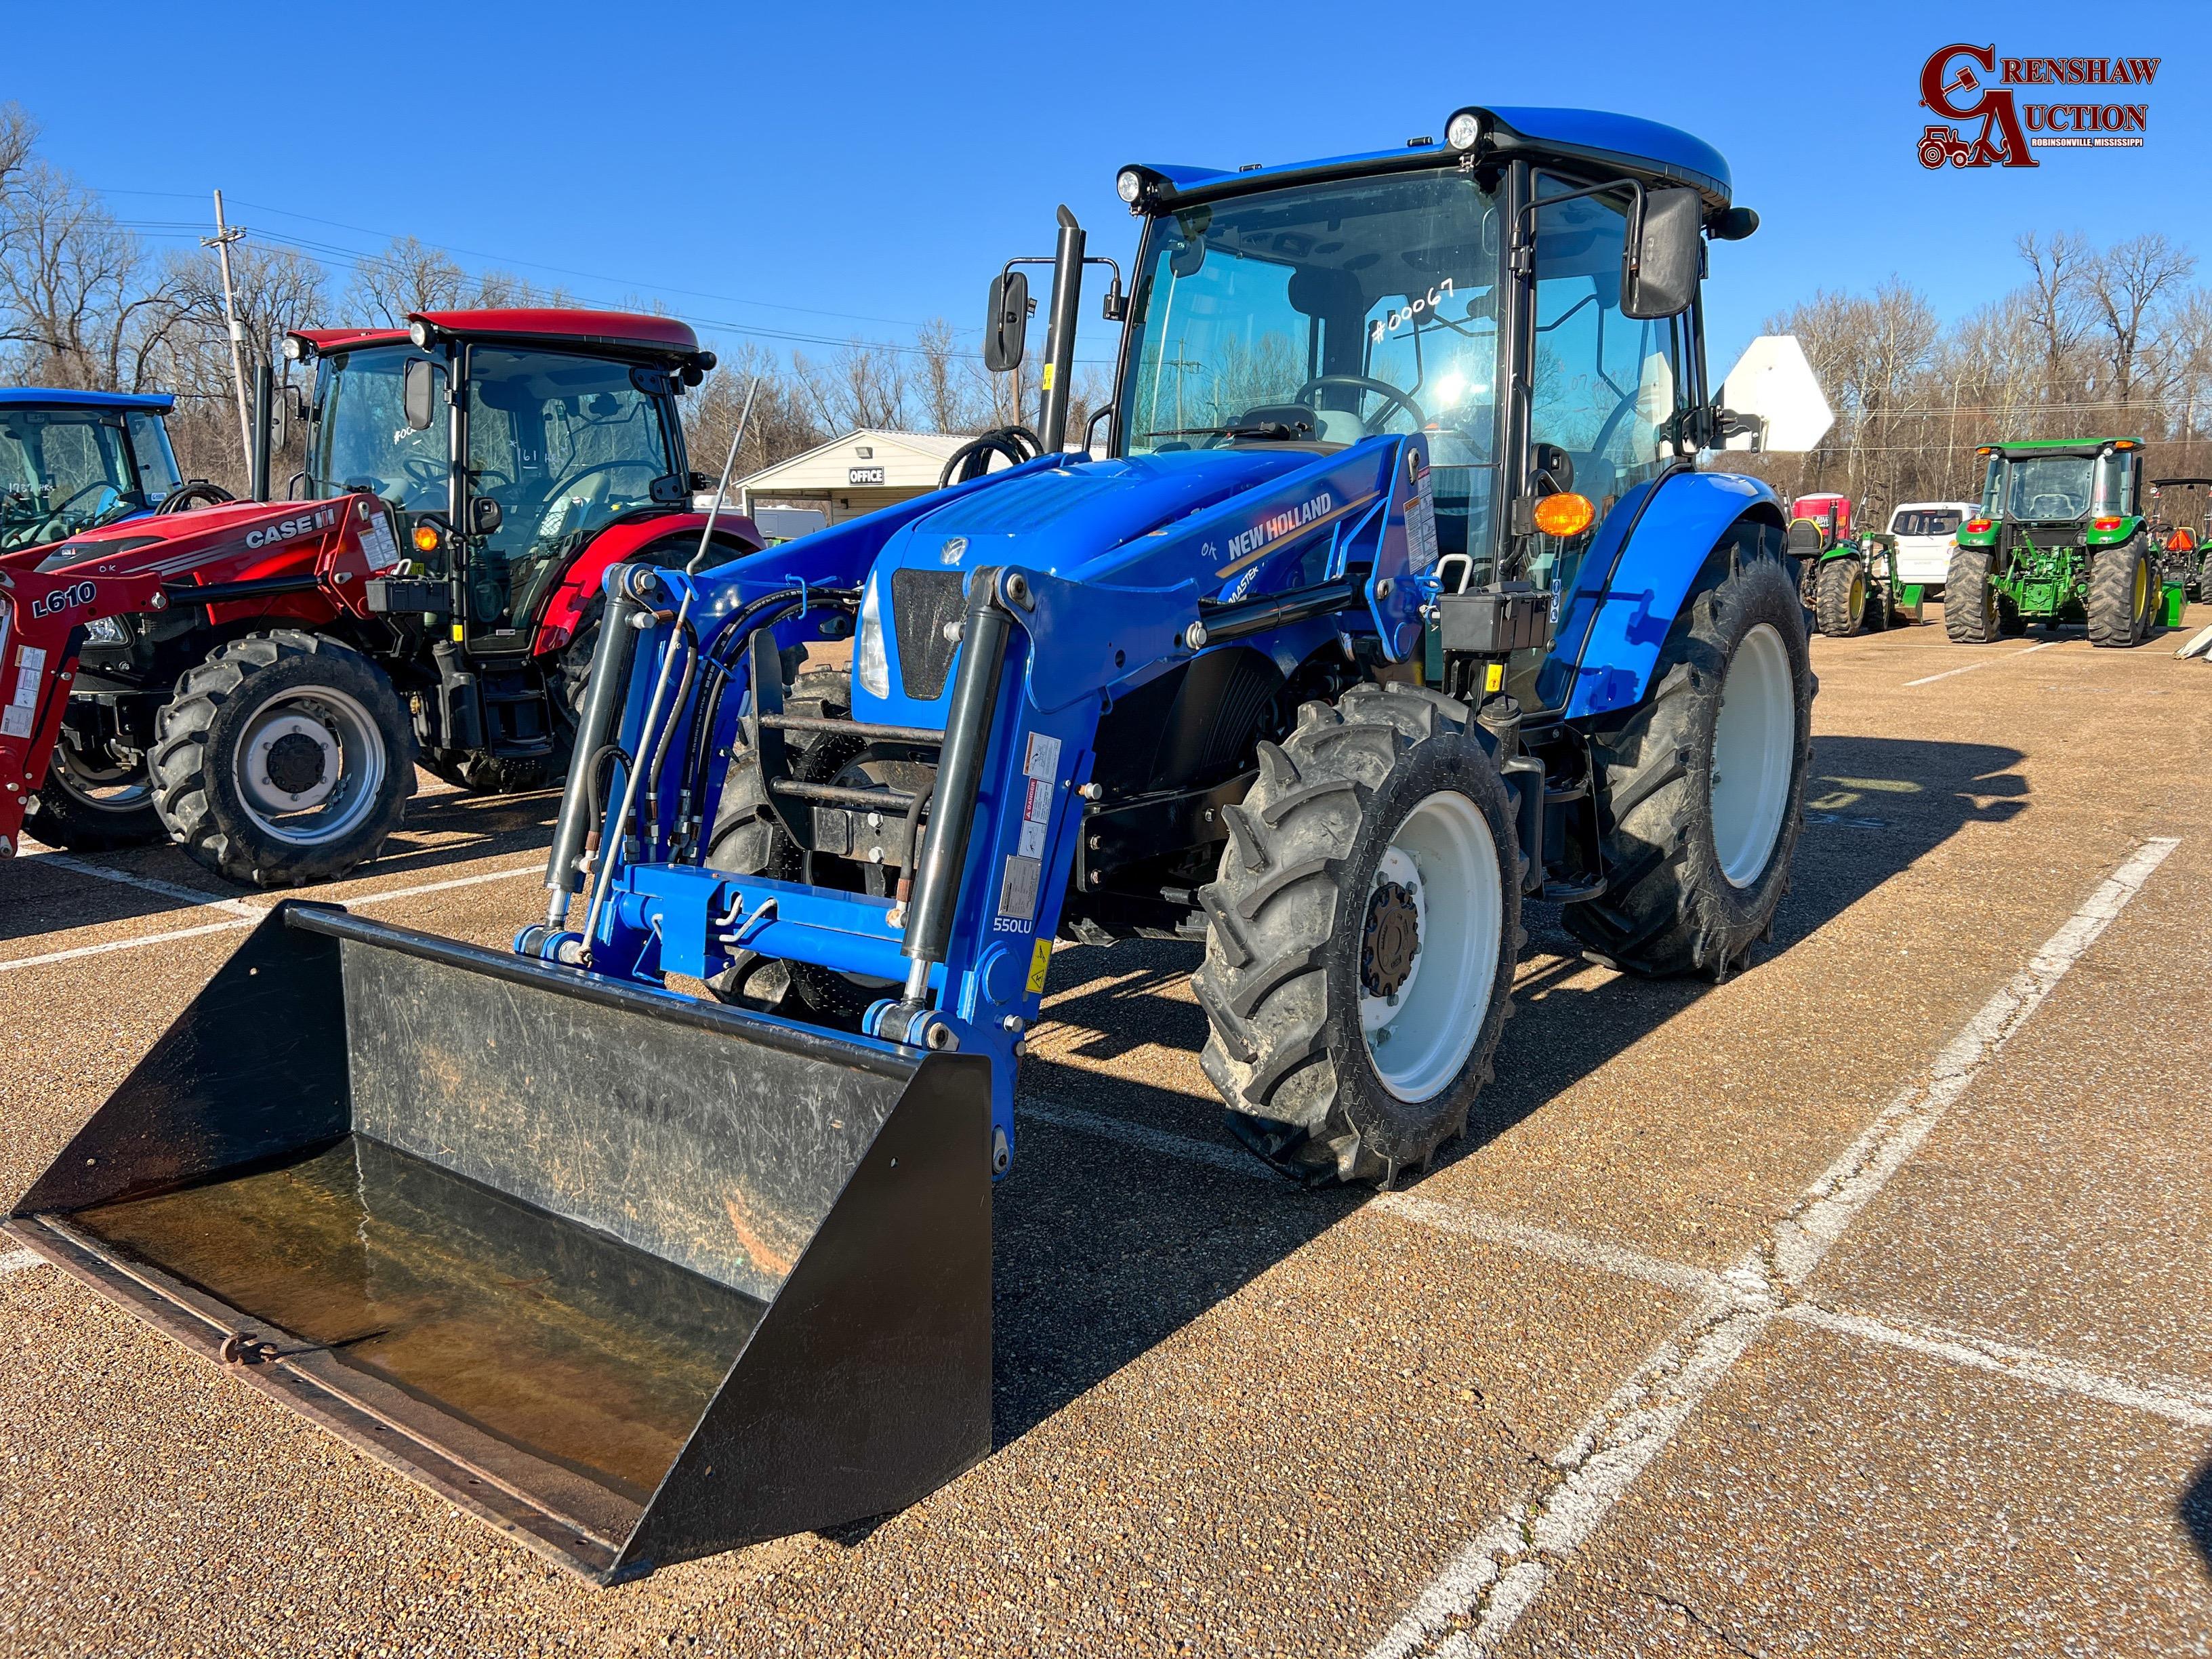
[633, 1278]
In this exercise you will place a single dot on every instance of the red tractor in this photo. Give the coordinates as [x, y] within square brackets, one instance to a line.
[256, 680]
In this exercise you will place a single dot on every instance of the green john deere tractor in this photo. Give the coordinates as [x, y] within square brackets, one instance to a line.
[1848, 580]
[2061, 538]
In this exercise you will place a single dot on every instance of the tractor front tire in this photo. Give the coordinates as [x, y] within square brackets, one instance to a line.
[749, 840]
[1840, 600]
[284, 758]
[1362, 932]
[92, 803]
[2122, 593]
[1703, 785]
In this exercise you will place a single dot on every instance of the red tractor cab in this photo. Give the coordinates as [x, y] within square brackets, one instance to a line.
[257, 680]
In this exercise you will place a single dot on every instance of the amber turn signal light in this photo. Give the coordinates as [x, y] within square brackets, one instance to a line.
[426, 539]
[1565, 514]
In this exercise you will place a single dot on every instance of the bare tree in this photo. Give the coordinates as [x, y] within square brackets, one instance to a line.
[863, 386]
[83, 307]
[782, 423]
[2126, 283]
[408, 276]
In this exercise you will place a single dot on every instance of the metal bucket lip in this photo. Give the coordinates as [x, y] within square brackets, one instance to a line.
[896, 1061]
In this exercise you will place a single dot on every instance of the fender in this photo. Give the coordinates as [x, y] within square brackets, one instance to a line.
[564, 606]
[1647, 555]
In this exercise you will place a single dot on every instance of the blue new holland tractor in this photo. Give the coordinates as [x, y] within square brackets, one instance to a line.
[1398, 600]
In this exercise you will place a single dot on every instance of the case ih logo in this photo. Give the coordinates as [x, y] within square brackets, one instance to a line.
[1971, 86]
[285, 529]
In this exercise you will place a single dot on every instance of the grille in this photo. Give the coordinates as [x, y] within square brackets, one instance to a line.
[922, 603]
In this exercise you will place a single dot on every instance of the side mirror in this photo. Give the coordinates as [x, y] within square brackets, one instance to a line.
[421, 394]
[1006, 331]
[1659, 277]
[1771, 400]
[292, 414]
[485, 515]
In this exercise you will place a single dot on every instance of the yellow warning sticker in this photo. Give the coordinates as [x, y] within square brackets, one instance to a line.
[1040, 959]
[1493, 677]
[1048, 367]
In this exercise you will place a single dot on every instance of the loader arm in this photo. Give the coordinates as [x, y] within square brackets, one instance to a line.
[43, 618]
[1318, 549]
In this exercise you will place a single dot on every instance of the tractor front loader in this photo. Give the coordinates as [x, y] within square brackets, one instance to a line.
[2061, 538]
[1175, 691]
[433, 594]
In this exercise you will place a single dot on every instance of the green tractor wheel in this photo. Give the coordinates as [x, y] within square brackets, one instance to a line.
[1840, 598]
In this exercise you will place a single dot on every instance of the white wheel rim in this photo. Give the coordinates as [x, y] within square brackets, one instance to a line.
[309, 765]
[1752, 740]
[1444, 856]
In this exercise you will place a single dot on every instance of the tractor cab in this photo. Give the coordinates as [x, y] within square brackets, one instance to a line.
[503, 442]
[2063, 485]
[71, 461]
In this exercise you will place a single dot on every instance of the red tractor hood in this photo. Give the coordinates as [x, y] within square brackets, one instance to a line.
[236, 541]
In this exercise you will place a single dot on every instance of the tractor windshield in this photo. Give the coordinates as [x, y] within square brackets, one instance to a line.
[1326, 313]
[62, 471]
[362, 441]
[2054, 489]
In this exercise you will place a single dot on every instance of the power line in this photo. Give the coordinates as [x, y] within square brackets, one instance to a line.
[535, 264]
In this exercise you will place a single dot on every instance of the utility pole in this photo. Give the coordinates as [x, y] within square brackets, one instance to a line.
[221, 241]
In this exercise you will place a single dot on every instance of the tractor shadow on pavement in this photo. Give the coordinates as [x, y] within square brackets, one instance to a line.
[442, 829]
[1105, 1249]
[2195, 1512]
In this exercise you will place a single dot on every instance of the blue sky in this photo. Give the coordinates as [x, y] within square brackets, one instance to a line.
[854, 170]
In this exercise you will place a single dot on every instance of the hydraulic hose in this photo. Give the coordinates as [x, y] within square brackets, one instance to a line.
[973, 459]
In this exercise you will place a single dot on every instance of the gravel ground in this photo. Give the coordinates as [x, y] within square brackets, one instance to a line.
[1234, 1418]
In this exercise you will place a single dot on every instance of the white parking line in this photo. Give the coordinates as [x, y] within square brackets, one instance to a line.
[167, 889]
[2162, 1396]
[251, 914]
[2169, 1397]
[1985, 662]
[1491, 1582]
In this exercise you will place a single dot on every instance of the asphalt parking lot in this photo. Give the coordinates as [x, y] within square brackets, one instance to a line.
[1861, 1304]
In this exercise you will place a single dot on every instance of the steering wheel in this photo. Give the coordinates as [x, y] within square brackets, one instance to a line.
[428, 473]
[98, 487]
[583, 472]
[1380, 388]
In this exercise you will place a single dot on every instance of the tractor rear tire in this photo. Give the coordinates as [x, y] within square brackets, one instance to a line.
[749, 840]
[1372, 879]
[94, 803]
[2122, 593]
[267, 712]
[1842, 598]
[487, 774]
[1696, 867]
[1973, 609]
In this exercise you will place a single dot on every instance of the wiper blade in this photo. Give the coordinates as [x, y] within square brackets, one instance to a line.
[1277, 430]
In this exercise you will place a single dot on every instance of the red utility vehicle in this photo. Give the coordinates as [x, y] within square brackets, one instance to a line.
[259, 677]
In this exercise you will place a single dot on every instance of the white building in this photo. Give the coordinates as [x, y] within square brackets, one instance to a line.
[853, 474]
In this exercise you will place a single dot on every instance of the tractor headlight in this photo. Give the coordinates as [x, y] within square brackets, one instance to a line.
[1465, 130]
[873, 667]
[421, 332]
[106, 630]
[1129, 185]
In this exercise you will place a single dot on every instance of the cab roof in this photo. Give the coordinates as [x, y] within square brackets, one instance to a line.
[620, 331]
[1646, 150]
[51, 396]
[2055, 445]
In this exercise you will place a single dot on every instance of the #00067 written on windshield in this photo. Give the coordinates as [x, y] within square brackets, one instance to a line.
[1420, 306]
